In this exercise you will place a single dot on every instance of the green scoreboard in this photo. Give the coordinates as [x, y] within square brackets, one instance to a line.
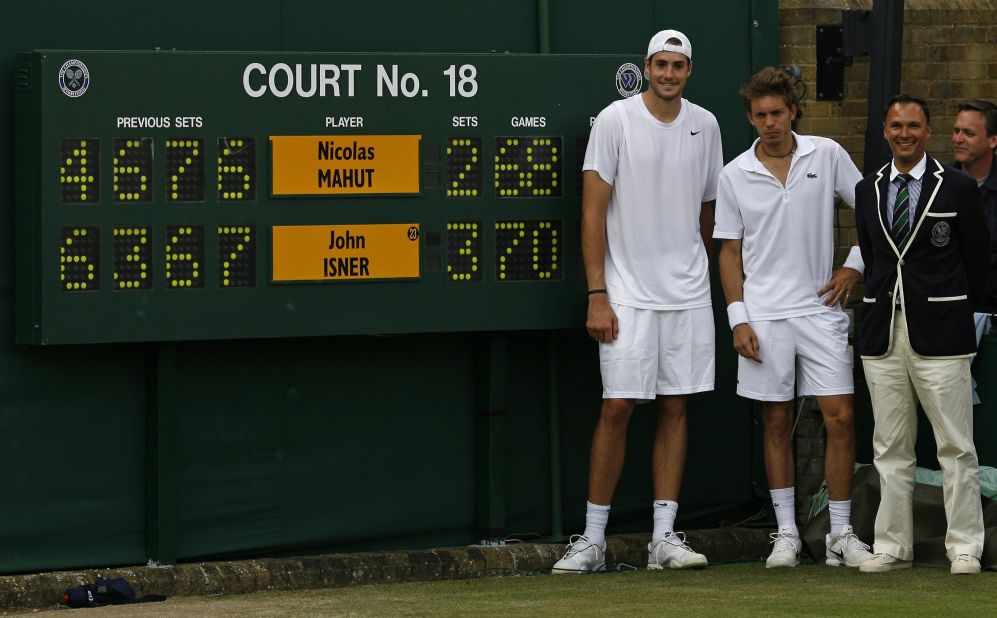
[177, 195]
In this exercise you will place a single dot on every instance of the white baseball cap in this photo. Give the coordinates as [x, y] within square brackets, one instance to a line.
[658, 44]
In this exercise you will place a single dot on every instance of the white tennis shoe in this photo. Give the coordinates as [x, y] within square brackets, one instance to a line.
[785, 550]
[846, 549]
[673, 552]
[581, 556]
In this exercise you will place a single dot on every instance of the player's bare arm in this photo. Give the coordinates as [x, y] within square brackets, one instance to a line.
[839, 288]
[706, 222]
[601, 321]
[732, 279]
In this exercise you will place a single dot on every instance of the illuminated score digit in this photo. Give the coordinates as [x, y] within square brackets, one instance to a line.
[133, 169]
[79, 170]
[185, 169]
[79, 258]
[184, 256]
[236, 169]
[237, 256]
[527, 250]
[464, 251]
[132, 258]
[528, 166]
[464, 159]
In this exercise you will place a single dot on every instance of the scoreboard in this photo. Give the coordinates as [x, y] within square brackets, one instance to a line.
[178, 195]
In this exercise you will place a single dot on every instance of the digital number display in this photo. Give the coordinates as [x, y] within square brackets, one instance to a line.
[528, 166]
[185, 169]
[132, 258]
[464, 251]
[527, 250]
[79, 170]
[237, 256]
[464, 162]
[184, 256]
[79, 259]
[133, 169]
[236, 169]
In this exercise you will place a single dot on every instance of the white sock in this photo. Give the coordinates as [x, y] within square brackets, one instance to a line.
[784, 502]
[664, 519]
[841, 513]
[596, 517]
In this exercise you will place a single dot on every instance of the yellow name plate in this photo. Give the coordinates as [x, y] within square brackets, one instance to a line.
[334, 252]
[344, 164]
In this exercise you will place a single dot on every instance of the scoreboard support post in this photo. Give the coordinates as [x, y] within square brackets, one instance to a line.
[554, 352]
[490, 430]
[161, 464]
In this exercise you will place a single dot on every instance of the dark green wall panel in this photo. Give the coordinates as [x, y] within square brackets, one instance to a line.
[403, 26]
[73, 448]
[320, 443]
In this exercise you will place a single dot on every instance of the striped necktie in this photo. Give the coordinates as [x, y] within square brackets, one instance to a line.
[901, 213]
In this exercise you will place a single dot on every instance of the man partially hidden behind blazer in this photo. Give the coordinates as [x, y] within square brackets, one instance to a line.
[926, 249]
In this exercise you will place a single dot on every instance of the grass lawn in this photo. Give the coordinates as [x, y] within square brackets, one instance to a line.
[725, 590]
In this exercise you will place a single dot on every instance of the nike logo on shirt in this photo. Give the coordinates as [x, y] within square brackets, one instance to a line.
[694, 132]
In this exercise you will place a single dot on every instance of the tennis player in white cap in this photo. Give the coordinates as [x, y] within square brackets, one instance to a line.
[649, 181]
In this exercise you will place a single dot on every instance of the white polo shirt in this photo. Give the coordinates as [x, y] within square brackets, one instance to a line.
[787, 232]
[661, 174]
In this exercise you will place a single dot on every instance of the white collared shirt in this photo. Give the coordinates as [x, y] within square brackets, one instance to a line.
[913, 189]
[787, 232]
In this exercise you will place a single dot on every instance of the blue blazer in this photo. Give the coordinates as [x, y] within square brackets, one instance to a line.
[937, 277]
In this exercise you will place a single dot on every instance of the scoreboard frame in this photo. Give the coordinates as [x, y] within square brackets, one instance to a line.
[143, 246]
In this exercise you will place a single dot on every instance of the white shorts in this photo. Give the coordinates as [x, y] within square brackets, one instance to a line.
[810, 350]
[658, 353]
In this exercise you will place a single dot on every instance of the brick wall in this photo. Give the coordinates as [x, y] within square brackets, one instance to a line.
[949, 55]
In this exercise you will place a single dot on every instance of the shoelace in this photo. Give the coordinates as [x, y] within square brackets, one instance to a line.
[677, 536]
[781, 539]
[963, 558]
[852, 541]
[576, 539]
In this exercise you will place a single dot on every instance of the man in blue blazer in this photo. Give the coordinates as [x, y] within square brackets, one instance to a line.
[926, 249]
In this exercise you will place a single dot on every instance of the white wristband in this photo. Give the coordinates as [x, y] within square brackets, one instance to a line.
[854, 260]
[737, 313]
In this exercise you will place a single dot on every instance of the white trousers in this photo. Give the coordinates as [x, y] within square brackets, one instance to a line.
[944, 389]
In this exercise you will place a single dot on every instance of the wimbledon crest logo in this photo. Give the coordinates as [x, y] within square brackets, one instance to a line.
[628, 80]
[74, 78]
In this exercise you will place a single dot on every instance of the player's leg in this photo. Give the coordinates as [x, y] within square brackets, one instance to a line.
[842, 546]
[587, 552]
[627, 376]
[772, 382]
[669, 449]
[668, 548]
[825, 371]
[609, 444]
[685, 365]
[779, 468]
